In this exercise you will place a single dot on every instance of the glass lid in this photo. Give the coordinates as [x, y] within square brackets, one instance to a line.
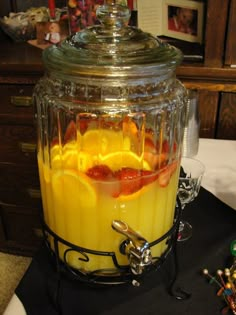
[111, 46]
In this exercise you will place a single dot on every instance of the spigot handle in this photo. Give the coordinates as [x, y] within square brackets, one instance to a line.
[137, 240]
[136, 247]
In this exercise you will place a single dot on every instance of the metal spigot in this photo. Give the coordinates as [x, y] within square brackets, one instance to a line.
[135, 247]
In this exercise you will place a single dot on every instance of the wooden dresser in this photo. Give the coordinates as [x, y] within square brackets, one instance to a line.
[20, 200]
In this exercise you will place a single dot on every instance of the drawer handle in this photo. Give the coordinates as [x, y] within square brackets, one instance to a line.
[38, 232]
[34, 193]
[25, 101]
[27, 147]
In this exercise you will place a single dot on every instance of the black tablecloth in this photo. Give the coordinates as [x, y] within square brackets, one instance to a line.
[214, 228]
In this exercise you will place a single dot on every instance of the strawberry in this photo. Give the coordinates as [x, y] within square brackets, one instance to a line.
[130, 180]
[166, 174]
[109, 184]
[55, 141]
[149, 146]
[164, 177]
[100, 172]
[70, 133]
[151, 154]
[129, 126]
[165, 147]
[83, 126]
[148, 177]
[151, 158]
[86, 121]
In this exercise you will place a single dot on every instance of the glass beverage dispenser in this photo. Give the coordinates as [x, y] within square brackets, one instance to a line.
[110, 116]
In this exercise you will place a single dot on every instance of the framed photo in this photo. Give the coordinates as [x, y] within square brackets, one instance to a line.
[183, 19]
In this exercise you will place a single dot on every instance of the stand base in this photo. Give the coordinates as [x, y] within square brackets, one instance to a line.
[120, 274]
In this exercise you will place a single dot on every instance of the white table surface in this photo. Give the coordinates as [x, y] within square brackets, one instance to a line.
[219, 158]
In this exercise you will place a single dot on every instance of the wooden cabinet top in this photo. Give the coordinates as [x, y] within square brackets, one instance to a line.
[20, 62]
[19, 56]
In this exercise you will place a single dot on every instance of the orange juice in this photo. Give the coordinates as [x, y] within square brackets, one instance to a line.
[97, 178]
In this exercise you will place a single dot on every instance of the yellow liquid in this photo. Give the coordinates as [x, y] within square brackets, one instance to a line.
[81, 210]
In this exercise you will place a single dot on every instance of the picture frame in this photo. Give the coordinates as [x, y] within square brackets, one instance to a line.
[191, 13]
[155, 17]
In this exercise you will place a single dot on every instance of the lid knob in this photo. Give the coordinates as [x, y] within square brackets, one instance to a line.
[113, 15]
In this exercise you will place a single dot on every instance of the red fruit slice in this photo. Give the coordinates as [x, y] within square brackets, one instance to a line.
[148, 177]
[153, 156]
[165, 175]
[165, 147]
[70, 133]
[149, 146]
[164, 178]
[150, 153]
[100, 172]
[86, 122]
[55, 141]
[130, 180]
[156, 161]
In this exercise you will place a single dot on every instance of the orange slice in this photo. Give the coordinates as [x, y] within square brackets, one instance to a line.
[120, 159]
[85, 161]
[70, 157]
[104, 141]
[74, 189]
[134, 196]
[55, 150]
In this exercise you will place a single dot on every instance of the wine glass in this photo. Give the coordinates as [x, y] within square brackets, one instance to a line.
[191, 173]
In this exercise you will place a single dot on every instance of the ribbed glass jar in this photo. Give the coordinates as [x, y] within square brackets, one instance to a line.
[110, 116]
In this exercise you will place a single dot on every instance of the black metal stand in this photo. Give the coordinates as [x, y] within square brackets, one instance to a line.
[173, 289]
[120, 274]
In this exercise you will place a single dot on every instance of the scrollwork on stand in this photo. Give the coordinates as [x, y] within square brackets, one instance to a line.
[117, 275]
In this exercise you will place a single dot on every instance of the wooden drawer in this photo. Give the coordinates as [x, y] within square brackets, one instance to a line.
[19, 185]
[22, 229]
[18, 144]
[16, 103]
